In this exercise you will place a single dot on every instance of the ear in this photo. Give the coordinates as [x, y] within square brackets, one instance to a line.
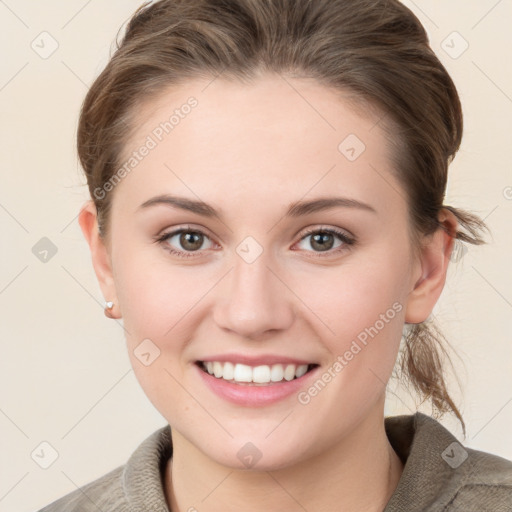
[430, 271]
[101, 261]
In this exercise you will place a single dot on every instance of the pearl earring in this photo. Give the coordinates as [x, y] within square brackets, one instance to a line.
[108, 307]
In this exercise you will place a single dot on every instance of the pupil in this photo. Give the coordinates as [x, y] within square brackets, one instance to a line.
[187, 240]
[321, 239]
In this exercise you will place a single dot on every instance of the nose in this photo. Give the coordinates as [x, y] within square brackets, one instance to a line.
[256, 300]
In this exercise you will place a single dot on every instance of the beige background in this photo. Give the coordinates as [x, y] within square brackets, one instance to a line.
[65, 378]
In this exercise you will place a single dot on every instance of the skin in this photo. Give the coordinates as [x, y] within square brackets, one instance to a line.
[250, 151]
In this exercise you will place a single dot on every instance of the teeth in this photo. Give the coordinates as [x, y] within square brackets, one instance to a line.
[277, 373]
[262, 374]
[217, 369]
[242, 373]
[228, 371]
[301, 370]
[289, 372]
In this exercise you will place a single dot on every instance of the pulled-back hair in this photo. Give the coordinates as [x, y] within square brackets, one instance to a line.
[377, 50]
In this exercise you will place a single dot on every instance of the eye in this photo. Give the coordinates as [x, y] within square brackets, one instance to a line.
[186, 242]
[189, 240]
[323, 240]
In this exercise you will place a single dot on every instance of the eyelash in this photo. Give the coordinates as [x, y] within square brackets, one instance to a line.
[346, 239]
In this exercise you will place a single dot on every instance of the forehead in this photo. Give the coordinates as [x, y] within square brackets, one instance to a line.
[284, 136]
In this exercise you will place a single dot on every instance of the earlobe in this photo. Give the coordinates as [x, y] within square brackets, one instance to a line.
[430, 272]
[100, 256]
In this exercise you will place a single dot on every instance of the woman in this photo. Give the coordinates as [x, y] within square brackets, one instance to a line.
[267, 181]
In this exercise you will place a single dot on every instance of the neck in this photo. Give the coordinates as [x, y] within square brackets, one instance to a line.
[359, 473]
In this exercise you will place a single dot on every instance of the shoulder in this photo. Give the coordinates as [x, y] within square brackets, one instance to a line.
[441, 474]
[484, 483]
[104, 493]
[134, 486]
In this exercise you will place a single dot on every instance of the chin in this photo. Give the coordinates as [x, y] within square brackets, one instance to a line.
[256, 456]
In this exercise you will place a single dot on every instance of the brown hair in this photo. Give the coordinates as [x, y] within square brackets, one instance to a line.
[375, 49]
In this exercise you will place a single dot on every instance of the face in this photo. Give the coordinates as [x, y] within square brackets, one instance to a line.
[256, 277]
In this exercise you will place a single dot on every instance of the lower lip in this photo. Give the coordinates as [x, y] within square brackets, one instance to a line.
[254, 396]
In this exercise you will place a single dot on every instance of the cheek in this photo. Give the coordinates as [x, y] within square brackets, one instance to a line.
[361, 306]
[158, 296]
[351, 298]
[154, 294]
[156, 301]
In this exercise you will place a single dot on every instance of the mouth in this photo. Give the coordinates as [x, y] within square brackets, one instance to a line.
[261, 375]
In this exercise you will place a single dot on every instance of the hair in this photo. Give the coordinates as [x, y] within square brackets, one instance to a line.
[376, 50]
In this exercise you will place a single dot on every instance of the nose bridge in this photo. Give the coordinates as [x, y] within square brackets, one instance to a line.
[257, 301]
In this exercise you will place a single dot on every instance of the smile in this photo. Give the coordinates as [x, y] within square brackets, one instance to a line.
[261, 374]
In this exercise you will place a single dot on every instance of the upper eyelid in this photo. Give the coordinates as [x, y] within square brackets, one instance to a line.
[308, 231]
[184, 229]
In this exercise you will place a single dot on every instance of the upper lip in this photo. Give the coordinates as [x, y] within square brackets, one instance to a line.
[264, 359]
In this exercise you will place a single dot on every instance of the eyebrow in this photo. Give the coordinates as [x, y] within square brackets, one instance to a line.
[297, 209]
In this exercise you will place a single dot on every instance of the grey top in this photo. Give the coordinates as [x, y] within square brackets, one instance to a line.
[439, 475]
